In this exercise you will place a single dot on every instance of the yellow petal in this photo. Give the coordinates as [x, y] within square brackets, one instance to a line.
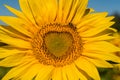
[14, 41]
[43, 11]
[12, 60]
[32, 27]
[21, 15]
[96, 30]
[103, 56]
[60, 11]
[57, 74]
[66, 5]
[87, 67]
[44, 73]
[97, 38]
[99, 62]
[31, 72]
[72, 11]
[78, 73]
[64, 75]
[16, 12]
[73, 73]
[12, 32]
[17, 71]
[101, 46]
[7, 52]
[16, 23]
[26, 10]
[108, 31]
[92, 19]
[80, 11]
[91, 22]
[111, 30]
[70, 73]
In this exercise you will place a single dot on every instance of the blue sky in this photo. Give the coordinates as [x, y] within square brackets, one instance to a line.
[110, 6]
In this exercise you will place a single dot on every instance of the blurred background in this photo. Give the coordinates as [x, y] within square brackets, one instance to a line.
[110, 6]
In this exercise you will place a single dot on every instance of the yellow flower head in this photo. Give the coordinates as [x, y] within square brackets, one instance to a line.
[55, 40]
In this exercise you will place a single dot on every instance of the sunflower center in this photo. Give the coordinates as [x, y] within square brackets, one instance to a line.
[58, 43]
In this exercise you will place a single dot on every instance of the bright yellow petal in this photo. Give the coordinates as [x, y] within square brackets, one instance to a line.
[50, 4]
[16, 23]
[64, 6]
[7, 52]
[98, 38]
[101, 46]
[93, 24]
[80, 11]
[60, 11]
[57, 74]
[14, 41]
[73, 9]
[85, 26]
[19, 70]
[103, 56]
[111, 30]
[78, 73]
[43, 11]
[67, 10]
[26, 10]
[44, 73]
[69, 71]
[73, 73]
[32, 28]
[64, 75]
[12, 60]
[106, 32]
[12, 32]
[31, 72]
[99, 62]
[87, 67]
[92, 19]
[16, 12]
[94, 31]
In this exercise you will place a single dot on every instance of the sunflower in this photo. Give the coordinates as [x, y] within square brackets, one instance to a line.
[55, 40]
